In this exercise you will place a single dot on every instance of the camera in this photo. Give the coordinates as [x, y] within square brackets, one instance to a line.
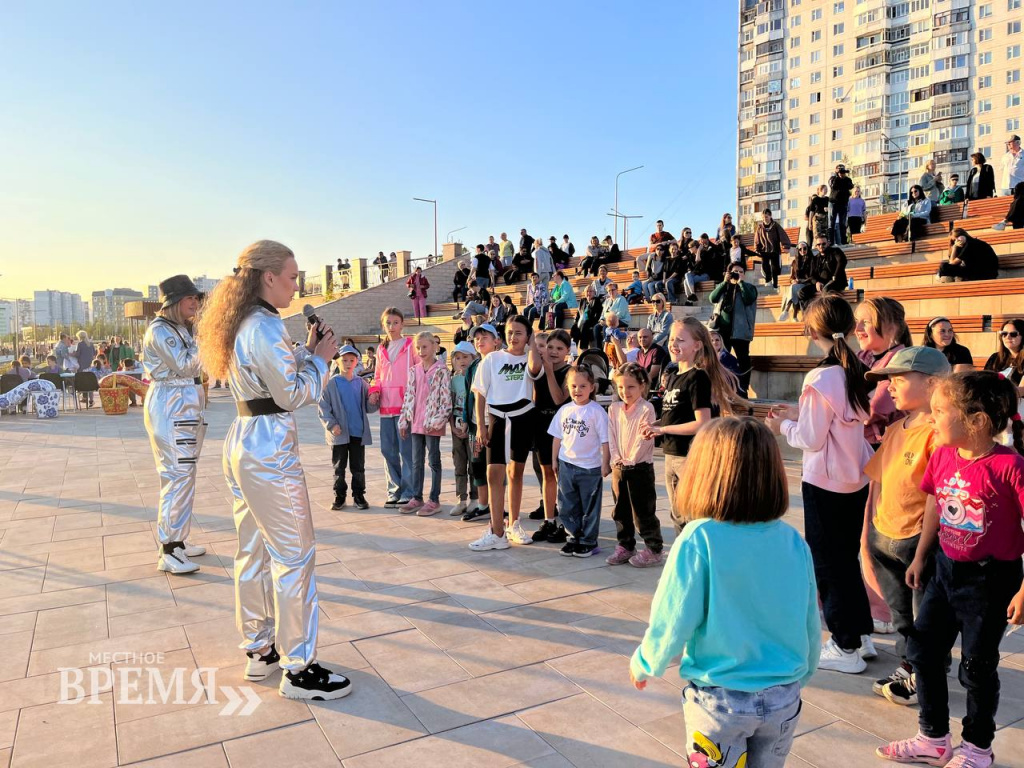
[735, 276]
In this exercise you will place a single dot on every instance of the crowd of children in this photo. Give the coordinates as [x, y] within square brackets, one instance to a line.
[926, 503]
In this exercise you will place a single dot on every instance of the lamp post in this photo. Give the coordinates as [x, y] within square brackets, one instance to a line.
[448, 237]
[625, 226]
[899, 176]
[615, 237]
[434, 203]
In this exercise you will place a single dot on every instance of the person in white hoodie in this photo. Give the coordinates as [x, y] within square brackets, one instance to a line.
[828, 426]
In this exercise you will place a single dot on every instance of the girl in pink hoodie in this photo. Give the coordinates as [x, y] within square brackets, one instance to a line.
[395, 358]
[828, 426]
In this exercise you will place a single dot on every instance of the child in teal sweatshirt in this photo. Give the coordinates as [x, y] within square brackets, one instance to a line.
[737, 600]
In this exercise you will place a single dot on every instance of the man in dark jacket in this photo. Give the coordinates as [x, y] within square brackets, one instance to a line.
[840, 187]
[525, 240]
[969, 259]
[769, 240]
[459, 281]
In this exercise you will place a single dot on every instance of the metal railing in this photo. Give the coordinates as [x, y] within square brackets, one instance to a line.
[378, 274]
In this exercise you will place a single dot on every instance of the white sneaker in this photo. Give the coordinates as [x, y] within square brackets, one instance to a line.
[784, 315]
[884, 627]
[1000, 226]
[261, 667]
[194, 550]
[518, 535]
[867, 648]
[459, 509]
[836, 659]
[490, 541]
[176, 562]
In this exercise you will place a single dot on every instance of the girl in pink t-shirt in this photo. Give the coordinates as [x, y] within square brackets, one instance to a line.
[975, 508]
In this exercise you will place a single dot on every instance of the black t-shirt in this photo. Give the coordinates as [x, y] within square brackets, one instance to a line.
[992, 364]
[958, 354]
[685, 394]
[542, 399]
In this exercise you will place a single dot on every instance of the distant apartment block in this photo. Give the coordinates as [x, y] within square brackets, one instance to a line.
[108, 305]
[880, 85]
[58, 308]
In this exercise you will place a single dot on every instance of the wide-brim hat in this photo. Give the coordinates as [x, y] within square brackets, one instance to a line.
[174, 289]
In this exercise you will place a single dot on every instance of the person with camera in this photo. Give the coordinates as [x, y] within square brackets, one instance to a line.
[735, 316]
[840, 186]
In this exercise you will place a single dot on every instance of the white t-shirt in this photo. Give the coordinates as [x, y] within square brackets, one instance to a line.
[631, 355]
[504, 379]
[582, 429]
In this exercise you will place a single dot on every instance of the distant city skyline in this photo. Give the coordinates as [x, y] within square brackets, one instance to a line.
[150, 145]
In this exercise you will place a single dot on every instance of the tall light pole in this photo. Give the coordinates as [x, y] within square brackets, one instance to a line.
[434, 203]
[615, 237]
[625, 227]
[899, 176]
[448, 237]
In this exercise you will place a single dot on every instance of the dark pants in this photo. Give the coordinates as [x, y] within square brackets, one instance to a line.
[353, 456]
[559, 310]
[832, 527]
[741, 349]
[958, 272]
[968, 599]
[771, 267]
[915, 224]
[856, 224]
[633, 491]
[891, 558]
[837, 222]
[579, 501]
[458, 293]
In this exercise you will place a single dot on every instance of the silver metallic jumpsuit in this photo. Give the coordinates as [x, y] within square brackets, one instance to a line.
[275, 591]
[174, 419]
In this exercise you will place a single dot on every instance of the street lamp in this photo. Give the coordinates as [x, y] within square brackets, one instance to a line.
[625, 226]
[615, 237]
[899, 176]
[434, 203]
[448, 237]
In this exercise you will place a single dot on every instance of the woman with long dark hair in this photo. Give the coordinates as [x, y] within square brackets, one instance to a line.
[1009, 357]
[939, 334]
[914, 217]
[243, 339]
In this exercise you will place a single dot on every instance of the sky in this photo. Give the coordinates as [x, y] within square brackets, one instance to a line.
[143, 140]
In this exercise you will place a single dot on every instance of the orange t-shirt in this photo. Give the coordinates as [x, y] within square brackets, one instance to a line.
[899, 465]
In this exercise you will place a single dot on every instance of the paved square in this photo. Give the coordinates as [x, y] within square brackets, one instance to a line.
[458, 658]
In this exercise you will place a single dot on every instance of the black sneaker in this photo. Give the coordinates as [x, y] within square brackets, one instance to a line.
[584, 550]
[560, 536]
[391, 502]
[547, 528]
[902, 672]
[339, 502]
[315, 683]
[902, 692]
[569, 549]
[476, 512]
[261, 667]
[360, 501]
[537, 514]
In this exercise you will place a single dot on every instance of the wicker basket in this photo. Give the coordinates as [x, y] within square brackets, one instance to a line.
[114, 400]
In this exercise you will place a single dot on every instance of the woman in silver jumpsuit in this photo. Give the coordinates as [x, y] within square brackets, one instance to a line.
[174, 418]
[243, 339]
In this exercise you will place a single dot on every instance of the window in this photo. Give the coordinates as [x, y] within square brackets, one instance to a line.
[794, 124]
[837, 134]
[794, 21]
[794, 42]
[837, 71]
[1013, 76]
[985, 58]
[792, 203]
[837, 155]
[772, 25]
[985, 82]
[837, 114]
[984, 11]
[1013, 124]
[984, 35]
[816, 14]
[813, 181]
[794, 62]
[838, 93]
[837, 50]
[950, 62]
[1012, 100]
[984, 105]
[984, 129]
[1012, 5]
[841, 6]
[792, 165]
[840, 28]
[794, 82]
[816, 118]
[793, 144]
[816, 56]
[814, 140]
[815, 35]
[813, 161]
[1013, 27]
[794, 103]
[792, 183]
[816, 97]
[1013, 51]
[815, 77]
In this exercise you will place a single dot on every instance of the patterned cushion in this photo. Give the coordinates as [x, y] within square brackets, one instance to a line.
[47, 404]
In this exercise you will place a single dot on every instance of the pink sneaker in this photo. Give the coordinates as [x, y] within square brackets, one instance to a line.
[969, 756]
[410, 506]
[646, 558]
[428, 509]
[919, 749]
[620, 555]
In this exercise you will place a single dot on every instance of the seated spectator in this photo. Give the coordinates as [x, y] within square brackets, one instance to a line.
[522, 266]
[498, 314]
[954, 193]
[613, 339]
[496, 269]
[588, 317]
[536, 300]
[969, 259]
[477, 294]
[51, 365]
[828, 268]
[656, 263]
[738, 253]
[632, 347]
[635, 292]
[660, 321]
[600, 285]
[370, 365]
[1008, 359]
[562, 298]
[593, 260]
[1015, 215]
[981, 181]
[651, 356]
[705, 264]
[612, 253]
[459, 281]
[617, 304]
[658, 236]
[939, 335]
[462, 334]
[857, 213]
[675, 270]
[726, 230]
[473, 307]
[21, 367]
[800, 277]
[558, 256]
[913, 218]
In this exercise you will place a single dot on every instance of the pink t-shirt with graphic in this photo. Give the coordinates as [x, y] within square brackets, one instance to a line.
[981, 510]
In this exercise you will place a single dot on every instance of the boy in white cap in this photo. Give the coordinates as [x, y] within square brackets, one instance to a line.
[343, 412]
[462, 355]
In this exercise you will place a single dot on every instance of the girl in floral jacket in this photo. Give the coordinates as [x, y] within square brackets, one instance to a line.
[425, 411]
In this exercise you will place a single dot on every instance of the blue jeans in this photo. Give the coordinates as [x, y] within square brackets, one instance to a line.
[397, 455]
[691, 279]
[426, 447]
[653, 286]
[891, 558]
[579, 501]
[724, 725]
[672, 289]
[967, 599]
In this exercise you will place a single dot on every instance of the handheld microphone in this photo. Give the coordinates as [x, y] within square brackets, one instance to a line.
[310, 314]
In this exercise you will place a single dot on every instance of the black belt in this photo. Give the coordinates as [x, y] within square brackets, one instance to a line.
[264, 406]
[198, 381]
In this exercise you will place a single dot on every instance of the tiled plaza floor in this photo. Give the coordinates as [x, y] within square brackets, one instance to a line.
[458, 659]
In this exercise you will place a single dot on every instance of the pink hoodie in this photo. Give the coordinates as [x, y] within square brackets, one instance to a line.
[830, 432]
[390, 377]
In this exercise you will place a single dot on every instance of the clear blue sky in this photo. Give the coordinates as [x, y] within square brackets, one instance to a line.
[141, 139]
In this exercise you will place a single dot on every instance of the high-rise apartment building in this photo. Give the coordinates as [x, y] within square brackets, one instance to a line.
[59, 308]
[880, 85]
[108, 305]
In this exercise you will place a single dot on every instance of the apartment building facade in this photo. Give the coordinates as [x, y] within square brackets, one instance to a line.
[880, 85]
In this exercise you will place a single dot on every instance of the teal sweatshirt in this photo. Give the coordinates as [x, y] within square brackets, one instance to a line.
[740, 603]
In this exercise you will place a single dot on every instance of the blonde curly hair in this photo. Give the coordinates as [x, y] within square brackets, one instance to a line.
[232, 300]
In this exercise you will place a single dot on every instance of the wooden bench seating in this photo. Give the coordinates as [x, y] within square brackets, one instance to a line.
[962, 324]
[774, 300]
[996, 287]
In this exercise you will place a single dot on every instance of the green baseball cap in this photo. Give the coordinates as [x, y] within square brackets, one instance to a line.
[926, 360]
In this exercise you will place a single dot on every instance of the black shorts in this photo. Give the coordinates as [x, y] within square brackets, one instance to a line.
[542, 441]
[511, 439]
